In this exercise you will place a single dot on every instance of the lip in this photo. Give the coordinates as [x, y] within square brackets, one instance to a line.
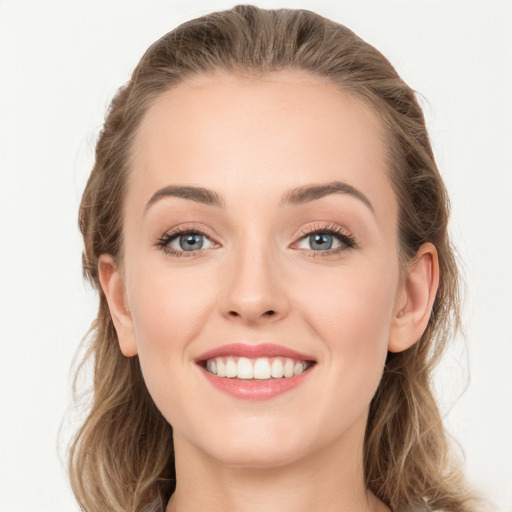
[253, 351]
[254, 389]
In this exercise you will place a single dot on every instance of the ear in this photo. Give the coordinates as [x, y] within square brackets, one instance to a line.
[415, 299]
[112, 284]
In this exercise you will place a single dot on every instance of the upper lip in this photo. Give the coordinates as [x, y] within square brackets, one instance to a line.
[253, 351]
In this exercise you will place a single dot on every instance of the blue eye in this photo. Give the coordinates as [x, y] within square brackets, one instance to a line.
[183, 243]
[321, 241]
[327, 238]
[188, 242]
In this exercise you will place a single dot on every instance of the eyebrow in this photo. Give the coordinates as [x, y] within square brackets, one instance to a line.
[299, 195]
[193, 193]
[307, 193]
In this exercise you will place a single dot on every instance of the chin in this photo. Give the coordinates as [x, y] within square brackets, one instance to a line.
[260, 446]
[259, 457]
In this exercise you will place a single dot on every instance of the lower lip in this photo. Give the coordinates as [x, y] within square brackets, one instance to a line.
[254, 389]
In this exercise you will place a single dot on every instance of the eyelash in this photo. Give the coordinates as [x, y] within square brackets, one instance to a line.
[342, 234]
[346, 239]
[163, 242]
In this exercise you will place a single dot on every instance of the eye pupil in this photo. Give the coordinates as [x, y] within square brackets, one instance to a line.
[321, 241]
[191, 242]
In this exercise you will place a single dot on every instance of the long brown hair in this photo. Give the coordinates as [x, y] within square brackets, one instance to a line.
[121, 458]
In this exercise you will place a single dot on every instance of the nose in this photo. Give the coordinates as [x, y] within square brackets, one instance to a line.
[254, 292]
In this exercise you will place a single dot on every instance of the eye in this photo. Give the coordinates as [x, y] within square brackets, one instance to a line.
[319, 242]
[184, 242]
[325, 238]
[190, 242]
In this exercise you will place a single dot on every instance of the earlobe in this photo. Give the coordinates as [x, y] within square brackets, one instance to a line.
[415, 300]
[112, 284]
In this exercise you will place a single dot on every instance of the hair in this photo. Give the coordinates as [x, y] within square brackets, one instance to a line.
[121, 458]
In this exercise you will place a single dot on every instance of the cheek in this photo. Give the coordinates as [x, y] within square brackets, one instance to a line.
[168, 310]
[351, 310]
[352, 297]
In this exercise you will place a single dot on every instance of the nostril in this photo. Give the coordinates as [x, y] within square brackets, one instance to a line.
[270, 312]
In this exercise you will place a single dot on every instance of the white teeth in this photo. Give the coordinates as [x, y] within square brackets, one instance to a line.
[221, 368]
[211, 366]
[244, 368]
[288, 368]
[277, 368]
[231, 370]
[262, 368]
[298, 368]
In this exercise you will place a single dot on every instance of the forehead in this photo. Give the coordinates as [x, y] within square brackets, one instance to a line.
[280, 130]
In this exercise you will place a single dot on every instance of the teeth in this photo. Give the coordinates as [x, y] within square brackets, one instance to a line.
[288, 368]
[231, 369]
[221, 368]
[277, 369]
[262, 368]
[211, 366]
[298, 368]
[244, 369]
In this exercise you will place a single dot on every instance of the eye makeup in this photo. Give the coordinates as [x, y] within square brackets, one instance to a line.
[325, 234]
[324, 239]
[185, 235]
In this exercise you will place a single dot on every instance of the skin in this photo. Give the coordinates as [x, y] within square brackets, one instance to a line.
[252, 141]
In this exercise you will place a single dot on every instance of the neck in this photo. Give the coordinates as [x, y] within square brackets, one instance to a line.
[328, 480]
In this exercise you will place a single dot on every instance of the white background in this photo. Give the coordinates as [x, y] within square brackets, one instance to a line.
[60, 64]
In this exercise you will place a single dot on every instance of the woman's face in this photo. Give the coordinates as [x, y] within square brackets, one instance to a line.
[260, 236]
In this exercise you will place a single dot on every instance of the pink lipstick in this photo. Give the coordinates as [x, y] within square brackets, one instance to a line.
[255, 372]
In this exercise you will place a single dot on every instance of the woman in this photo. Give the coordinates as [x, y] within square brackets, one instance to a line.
[267, 229]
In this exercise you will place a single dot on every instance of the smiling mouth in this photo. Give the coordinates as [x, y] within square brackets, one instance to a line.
[261, 368]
